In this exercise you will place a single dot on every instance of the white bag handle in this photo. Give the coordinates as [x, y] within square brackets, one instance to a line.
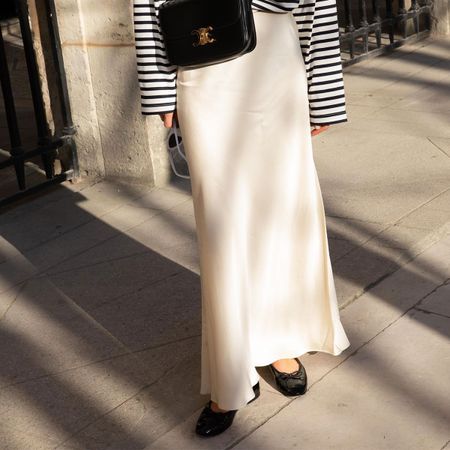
[172, 163]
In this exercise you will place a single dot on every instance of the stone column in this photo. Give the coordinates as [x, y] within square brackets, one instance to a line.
[114, 140]
[441, 17]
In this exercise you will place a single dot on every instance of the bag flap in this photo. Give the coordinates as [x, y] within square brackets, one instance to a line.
[178, 18]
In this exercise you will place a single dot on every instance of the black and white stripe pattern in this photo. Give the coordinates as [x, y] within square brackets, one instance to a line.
[157, 77]
[318, 38]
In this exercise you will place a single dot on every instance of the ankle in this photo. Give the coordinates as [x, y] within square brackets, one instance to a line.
[215, 408]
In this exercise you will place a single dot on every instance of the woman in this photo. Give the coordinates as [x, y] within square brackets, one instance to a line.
[268, 293]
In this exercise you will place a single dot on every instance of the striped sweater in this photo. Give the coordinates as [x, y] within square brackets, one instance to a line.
[318, 34]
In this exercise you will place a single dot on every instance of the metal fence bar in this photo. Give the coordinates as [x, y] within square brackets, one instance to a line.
[16, 151]
[69, 129]
[57, 179]
[35, 86]
[349, 27]
[389, 21]
[364, 25]
[48, 147]
[28, 154]
[377, 22]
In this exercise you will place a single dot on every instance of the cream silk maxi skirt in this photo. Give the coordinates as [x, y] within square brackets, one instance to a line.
[266, 278]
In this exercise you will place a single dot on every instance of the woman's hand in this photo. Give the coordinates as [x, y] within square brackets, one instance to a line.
[167, 118]
[316, 129]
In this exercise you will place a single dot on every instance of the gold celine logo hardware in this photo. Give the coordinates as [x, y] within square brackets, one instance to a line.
[203, 36]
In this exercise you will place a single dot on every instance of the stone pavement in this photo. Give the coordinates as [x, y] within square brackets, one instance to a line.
[100, 295]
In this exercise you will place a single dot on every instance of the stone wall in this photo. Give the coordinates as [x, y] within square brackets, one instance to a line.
[441, 17]
[114, 140]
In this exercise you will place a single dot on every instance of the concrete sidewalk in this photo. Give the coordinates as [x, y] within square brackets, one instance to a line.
[100, 295]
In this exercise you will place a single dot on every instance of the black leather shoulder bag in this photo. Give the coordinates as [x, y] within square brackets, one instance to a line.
[203, 32]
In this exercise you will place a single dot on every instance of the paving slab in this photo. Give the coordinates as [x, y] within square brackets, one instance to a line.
[443, 144]
[364, 187]
[339, 248]
[438, 301]
[15, 271]
[15, 438]
[392, 394]
[394, 125]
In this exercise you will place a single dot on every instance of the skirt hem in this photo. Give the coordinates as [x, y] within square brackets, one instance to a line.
[289, 355]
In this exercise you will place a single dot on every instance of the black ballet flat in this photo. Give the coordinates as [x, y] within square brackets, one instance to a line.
[293, 383]
[211, 423]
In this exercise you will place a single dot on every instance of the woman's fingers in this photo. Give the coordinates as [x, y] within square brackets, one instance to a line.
[316, 129]
[167, 118]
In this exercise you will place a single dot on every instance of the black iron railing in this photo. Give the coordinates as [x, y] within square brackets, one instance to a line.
[371, 27]
[48, 147]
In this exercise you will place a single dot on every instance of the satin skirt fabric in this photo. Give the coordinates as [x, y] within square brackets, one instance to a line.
[266, 277]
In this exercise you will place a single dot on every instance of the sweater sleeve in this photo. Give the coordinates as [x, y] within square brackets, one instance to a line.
[157, 77]
[318, 31]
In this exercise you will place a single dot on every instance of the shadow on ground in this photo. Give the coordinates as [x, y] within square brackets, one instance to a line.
[98, 327]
